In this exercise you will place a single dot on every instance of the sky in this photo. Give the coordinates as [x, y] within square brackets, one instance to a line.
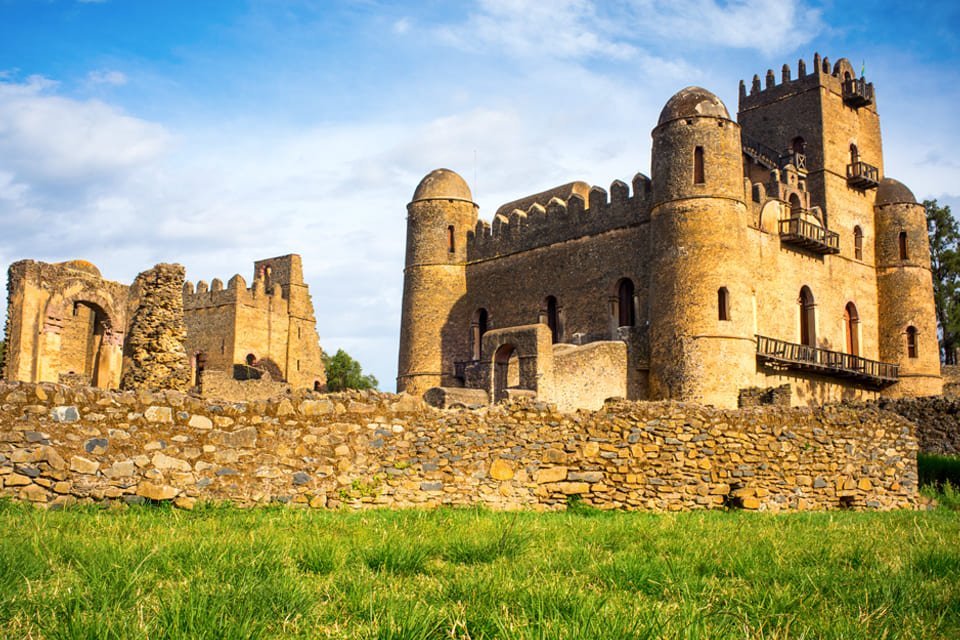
[217, 132]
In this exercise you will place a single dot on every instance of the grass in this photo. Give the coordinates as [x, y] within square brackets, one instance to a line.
[285, 573]
[938, 470]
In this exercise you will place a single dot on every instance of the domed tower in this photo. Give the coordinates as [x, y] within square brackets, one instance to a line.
[907, 316]
[438, 218]
[701, 317]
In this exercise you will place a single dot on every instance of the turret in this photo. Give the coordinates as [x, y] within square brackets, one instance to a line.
[908, 329]
[700, 279]
[439, 217]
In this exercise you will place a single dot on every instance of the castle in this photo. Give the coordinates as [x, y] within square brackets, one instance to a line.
[765, 259]
[66, 323]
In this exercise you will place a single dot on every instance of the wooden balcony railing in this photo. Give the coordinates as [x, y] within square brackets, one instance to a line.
[861, 175]
[797, 159]
[857, 92]
[779, 354]
[810, 236]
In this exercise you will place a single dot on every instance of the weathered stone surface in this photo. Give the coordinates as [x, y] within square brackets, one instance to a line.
[310, 408]
[200, 422]
[551, 474]
[500, 469]
[164, 462]
[153, 491]
[83, 465]
[65, 414]
[158, 414]
[245, 438]
[96, 446]
[16, 480]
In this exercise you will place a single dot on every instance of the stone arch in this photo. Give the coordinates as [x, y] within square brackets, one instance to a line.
[506, 370]
[851, 328]
[796, 206]
[625, 311]
[479, 326]
[808, 324]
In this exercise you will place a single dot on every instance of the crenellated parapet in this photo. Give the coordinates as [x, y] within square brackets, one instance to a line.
[213, 295]
[561, 219]
[840, 78]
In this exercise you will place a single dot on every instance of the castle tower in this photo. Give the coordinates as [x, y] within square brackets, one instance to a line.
[701, 327]
[434, 279]
[908, 329]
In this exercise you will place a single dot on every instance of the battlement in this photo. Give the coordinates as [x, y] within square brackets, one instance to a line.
[236, 293]
[561, 219]
[840, 79]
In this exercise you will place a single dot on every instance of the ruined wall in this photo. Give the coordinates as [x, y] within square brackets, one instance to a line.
[937, 419]
[58, 445]
[154, 347]
[585, 376]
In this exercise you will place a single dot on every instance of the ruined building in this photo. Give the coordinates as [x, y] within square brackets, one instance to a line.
[65, 323]
[767, 257]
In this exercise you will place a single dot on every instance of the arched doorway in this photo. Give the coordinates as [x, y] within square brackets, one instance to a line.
[796, 208]
[808, 331]
[851, 324]
[478, 328]
[626, 313]
[506, 374]
[553, 318]
[81, 354]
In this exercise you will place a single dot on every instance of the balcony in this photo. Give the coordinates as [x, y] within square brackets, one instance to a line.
[857, 92]
[861, 175]
[778, 354]
[797, 159]
[810, 236]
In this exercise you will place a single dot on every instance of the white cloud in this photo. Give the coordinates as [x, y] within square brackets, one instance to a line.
[114, 78]
[401, 26]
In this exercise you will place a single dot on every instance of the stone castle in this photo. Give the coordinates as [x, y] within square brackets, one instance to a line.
[66, 323]
[767, 259]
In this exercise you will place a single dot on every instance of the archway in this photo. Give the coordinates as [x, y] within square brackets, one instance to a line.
[796, 208]
[553, 318]
[80, 346]
[626, 314]
[506, 374]
[808, 331]
[851, 323]
[478, 328]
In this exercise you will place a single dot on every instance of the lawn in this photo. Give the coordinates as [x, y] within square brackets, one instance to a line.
[270, 573]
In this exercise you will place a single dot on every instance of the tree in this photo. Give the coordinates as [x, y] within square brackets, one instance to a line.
[945, 263]
[343, 372]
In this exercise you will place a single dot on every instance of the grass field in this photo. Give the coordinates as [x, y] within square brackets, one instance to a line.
[271, 573]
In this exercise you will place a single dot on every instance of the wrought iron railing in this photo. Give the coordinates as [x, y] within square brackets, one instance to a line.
[803, 233]
[857, 92]
[790, 355]
[862, 175]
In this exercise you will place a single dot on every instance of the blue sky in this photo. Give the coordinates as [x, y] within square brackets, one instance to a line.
[214, 133]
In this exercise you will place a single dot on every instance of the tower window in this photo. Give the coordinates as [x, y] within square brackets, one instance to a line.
[911, 342]
[808, 332]
[478, 329]
[626, 316]
[451, 244]
[723, 303]
[858, 243]
[851, 322]
[553, 318]
[698, 177]
[903, 245]
[854, 154]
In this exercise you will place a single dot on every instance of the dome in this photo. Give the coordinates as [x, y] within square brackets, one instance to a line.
[893, 191]
[82, 265]
[692, 102]
[442, 184]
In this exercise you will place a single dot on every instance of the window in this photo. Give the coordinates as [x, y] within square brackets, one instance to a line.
[903, 245]
[251, 359]
[626, 314]
[553, 318]
[854, 154]
[911, 342]
[723, 303]
[798, 145]
[851, 323]
[698, 175]
[858, 243]
[808, 333]
[478, 328]
[451, 245]
[795, 207]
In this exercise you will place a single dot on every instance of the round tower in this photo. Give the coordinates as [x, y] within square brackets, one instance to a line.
[906, 310]
[434, 279]
[702, 345]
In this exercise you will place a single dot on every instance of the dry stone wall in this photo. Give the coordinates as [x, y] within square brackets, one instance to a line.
[937, 419]
[60, 445]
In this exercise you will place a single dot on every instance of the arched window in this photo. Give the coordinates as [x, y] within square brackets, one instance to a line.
[798, 145]
[479, 328]
[808, 332]
[902, 242]
[698, 174]
[911, 342]
[451, 243]
[723, 303]
[795, 207]
[854, 154]
[553, 318]
[251, 359]
[858, 243]
[851, 323]
[627, 316]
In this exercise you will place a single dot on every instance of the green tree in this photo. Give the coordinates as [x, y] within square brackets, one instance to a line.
[945, 263]
[343, 372]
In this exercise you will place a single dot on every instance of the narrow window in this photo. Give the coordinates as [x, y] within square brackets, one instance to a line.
[626, 314]
[298, 332]
[478, 328]
[858, 243]
[903, 245]
[911, 342]
[723, 303]
[854, 154]
[451, 246]
[851, 322]
[553, 319]
[795, 207]
[798, 145]
[808, 334]
[698, 166]
[298, 365]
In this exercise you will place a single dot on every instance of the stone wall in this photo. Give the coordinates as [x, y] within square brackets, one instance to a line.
[365, 449]
[937, 419]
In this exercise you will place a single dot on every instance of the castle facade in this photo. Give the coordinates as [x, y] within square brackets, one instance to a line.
[767, 258]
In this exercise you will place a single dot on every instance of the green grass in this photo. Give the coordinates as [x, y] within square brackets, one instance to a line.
[938, 470]
[471, 574]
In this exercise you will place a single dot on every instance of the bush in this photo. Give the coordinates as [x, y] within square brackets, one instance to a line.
[936, 470]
